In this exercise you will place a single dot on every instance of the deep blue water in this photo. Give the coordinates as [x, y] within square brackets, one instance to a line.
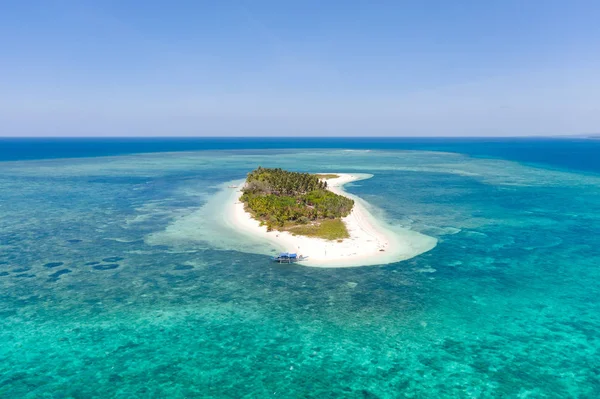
[116, 282]
[579, 154]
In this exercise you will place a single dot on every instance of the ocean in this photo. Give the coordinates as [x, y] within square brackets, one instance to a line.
[116, 281]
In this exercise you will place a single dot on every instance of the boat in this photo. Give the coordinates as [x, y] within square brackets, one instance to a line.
[286, 257]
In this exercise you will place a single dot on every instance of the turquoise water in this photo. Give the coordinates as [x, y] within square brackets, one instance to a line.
[92, 304]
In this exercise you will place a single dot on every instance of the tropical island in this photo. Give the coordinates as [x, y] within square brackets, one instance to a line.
[299, 203]
[311, 215]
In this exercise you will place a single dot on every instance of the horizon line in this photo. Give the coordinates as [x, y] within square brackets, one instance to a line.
[576, 135]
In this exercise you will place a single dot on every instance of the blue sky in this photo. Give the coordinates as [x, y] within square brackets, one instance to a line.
[278, 68]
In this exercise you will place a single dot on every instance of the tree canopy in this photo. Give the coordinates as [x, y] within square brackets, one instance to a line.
[279, 198]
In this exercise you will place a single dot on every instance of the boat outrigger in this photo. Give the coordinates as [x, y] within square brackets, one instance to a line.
[286, 257]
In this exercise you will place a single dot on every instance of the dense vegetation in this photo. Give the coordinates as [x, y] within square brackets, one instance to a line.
[298, 202]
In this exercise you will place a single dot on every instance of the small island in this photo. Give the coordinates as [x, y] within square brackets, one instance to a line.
[299, 203]
[312, 216]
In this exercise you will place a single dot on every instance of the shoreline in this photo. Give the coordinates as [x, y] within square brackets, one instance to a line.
[370, 242]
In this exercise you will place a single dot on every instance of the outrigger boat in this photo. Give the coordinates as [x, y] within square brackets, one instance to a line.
[286, 257]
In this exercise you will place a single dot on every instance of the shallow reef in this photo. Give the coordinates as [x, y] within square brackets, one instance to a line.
[104, 294]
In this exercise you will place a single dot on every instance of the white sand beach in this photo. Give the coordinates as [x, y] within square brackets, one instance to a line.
[370, 242]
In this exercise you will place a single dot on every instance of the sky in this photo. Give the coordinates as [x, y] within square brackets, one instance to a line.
[299, 68]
